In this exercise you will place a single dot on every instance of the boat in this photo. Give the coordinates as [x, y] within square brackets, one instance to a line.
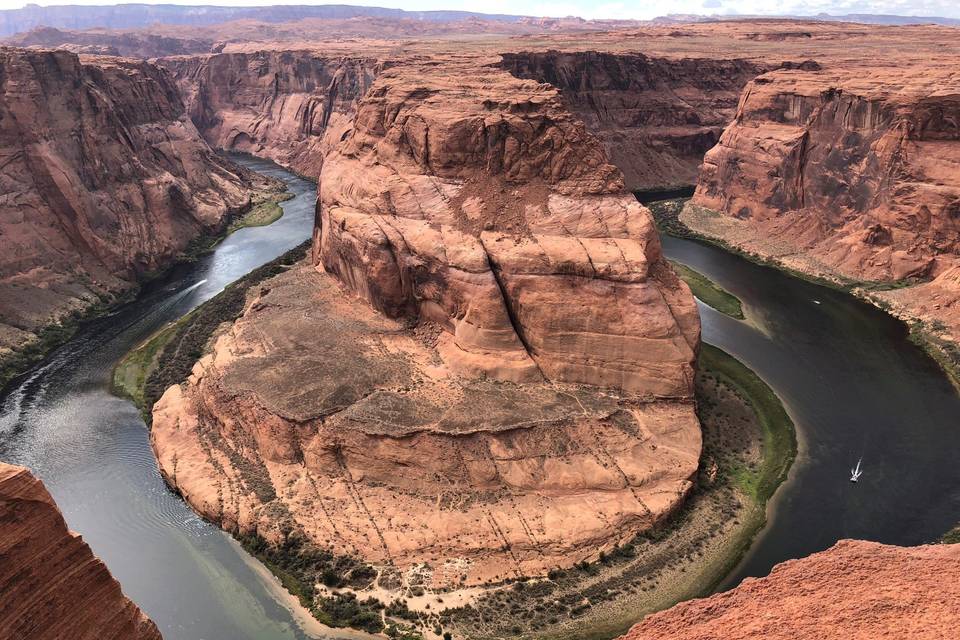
[855, 473]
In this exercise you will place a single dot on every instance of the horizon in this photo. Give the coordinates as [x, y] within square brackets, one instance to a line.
[584, 9]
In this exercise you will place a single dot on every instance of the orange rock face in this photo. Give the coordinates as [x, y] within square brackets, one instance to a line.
[51, 584]
[289, 106]
[495, 363]
[848, 174]
[104, 179]
[854, 590]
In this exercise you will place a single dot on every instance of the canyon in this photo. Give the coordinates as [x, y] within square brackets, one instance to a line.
[105, 181]
[493, 361]
[455, 222]
[51, 583]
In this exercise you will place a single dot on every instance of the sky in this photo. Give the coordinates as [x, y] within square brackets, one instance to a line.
[637, 9]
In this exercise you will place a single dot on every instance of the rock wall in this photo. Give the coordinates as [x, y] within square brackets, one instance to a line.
[846, 175]
[655, 116]
[51, 584]
[104, 179]
[853, 590]
[494, 360]
[289, 106]
[478, 201]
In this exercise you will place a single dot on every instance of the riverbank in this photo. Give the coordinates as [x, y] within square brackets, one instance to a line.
[749, 445]
[709, 292]
[680, 219]
[264, 209]
[167, 357]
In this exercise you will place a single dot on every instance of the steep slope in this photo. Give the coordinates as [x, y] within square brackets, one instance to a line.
[289, 106]
[508, 389]
[853, 590]
[849, 175]
[51, 584]
[104, 179]
[655, 116]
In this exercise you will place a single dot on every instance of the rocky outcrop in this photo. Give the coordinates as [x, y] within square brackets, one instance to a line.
[655, 116]
[494, 362]
[51, 584]
[289, 106]
[846, 175]
[113, 43]
[104, 179]
[854, 590]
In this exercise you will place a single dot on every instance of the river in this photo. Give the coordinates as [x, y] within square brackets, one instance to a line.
[850, 379]
[855, 387]
[92, 451]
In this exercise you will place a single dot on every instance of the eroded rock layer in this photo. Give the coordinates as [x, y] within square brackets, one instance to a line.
[382, 451]
[494, 362]
[854, 590]
[656, 116]
[51, 584]
[104, 179]
[847, 175]
[289, 106]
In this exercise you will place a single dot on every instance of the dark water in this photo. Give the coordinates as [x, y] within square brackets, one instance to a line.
[91, 449]
[855, 386]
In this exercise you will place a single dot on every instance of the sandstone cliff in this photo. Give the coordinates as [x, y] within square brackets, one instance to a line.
[51, 584]
[289, 106]
[656, 116]
[104, 179]
[852, 176]
[509, 386]
[853, 590]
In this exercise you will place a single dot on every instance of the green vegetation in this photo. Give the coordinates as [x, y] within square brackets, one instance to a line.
[19, 360]
[779, 437]
[946, 353]
[300, 565]
[952, 536]
[265, 211]
[168, 356]
[709, 292]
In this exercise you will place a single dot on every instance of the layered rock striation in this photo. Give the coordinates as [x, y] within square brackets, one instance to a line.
[656, 116]
[852, 176]
[854, 590]
[289, 106]
[494, 360]
[51, 584]
[104, 179]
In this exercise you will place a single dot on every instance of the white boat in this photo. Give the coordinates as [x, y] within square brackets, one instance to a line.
[855, 473]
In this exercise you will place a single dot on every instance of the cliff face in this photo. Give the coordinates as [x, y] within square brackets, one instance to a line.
[51, 584]
[114, 43]
[289, 106]
[844, 175]
[104, 179]
[655, 116]
[509, 386]
[854, 590]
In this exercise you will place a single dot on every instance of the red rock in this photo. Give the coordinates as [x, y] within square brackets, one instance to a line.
[51, 584]
[853, 590]
[104, 179]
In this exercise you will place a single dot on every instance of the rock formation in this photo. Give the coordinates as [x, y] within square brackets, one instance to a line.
[51, 584]
[853, 590]
[112, 43]
[289, 106]
[656, 116]
[507, 389]
[104, 179]
[845, 174]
